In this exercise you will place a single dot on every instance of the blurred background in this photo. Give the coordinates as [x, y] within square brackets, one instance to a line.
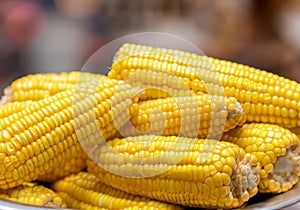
[59, 35]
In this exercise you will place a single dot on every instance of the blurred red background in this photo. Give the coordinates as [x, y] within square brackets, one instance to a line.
[55, 36]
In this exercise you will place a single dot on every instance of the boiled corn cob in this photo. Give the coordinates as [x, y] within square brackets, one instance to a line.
[201, 116]
[277, 150]
[266, 97]
[33, 194]
[38, 86]
[38, 141]
[10, 110]
[86, 191]
[179, 170]
[43, 137]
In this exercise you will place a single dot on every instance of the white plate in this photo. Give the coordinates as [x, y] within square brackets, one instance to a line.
[277, 201]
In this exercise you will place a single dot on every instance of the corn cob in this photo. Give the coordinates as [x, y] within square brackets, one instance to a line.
[266, 97]
[38, 86]
[13, 107]
[66, 165]
[277, 150]
[200, 116]
[86, 191]
[37, 142]
[179, 170]
[33, 194]
[43, 137]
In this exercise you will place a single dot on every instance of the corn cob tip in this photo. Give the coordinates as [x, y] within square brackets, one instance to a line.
[52, 205]
[237, 114]
[286, 170]
[33, 194]
[7, 97]
[277, 151]
[245, 178]
[189, 183]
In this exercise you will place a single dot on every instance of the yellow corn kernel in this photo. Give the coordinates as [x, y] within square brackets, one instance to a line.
[13, 107]
[277, 150]
[66, 167]
[185, 116]
[156, 84]
[44, 136]
[180, 170]
[86, 191]
[266, 97]
[33, 194]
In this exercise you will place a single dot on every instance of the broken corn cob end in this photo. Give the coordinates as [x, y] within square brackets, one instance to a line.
[277, 150]
[33, 194]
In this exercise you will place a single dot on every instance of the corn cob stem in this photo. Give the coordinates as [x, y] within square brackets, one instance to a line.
[29, 193]
[185, 171]
[266, 97]
[277, 150]
[101, 196]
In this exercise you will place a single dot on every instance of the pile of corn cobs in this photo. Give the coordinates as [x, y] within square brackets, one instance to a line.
[164, 129]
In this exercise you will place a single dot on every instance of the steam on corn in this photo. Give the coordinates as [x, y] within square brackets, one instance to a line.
[202, 173]
[266, 97]
[277, 150]
[86, 191]
[33, 194]
[43, 136]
